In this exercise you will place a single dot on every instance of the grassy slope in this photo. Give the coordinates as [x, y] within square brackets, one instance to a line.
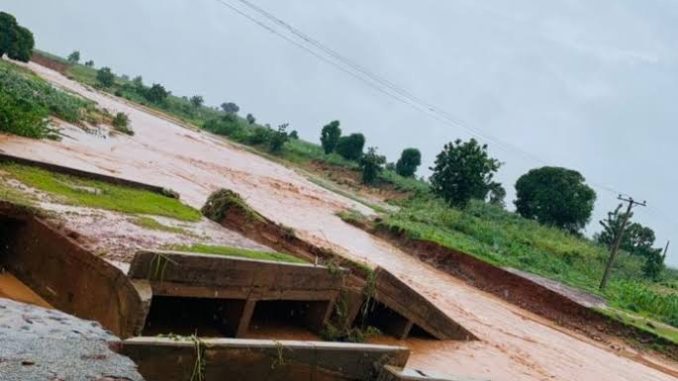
[506, 239]
[238, 252]
[98, 194]
[26, 101]
[492, 234]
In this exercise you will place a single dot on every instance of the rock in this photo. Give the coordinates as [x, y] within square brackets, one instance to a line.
[56, 346]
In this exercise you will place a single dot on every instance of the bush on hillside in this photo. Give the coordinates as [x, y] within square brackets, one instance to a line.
[230, 108]
[22, 118]
[277, 139]
[121, 123]
[105, 77]
[74, 57]
[463, 171]
[156, 94]
[409, 161]
[371, 164]
[197, 101]
[351, 147]
[329, 136]
[251, 119]
[555, 196]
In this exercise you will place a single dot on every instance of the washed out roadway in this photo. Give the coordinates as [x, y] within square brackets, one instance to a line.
[514, 344]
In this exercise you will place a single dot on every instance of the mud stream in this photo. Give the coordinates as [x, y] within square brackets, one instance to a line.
[514, 344]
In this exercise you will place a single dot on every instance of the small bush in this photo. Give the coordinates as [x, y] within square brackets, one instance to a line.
[277, 139]
[105, 77]
[121, 123]
[351, 147]
[371, 165]
[156, 94]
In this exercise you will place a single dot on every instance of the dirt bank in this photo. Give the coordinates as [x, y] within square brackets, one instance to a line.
[514, 344]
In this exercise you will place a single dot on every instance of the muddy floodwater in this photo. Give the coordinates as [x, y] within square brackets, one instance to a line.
[514, 344]
[14, 289]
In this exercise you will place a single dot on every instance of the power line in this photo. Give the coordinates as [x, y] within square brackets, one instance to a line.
[377, 82]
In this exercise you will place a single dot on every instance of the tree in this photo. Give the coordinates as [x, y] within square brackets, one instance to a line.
[250, 119]
[294, 135]
[197, 101]
[157, 93]
[15, 41]
[463, 171]
[74, 57]
[105, 77]
[138, 83]
[371, 165]
[497, 194]
[654, 263]
[277, 139]
[230, 108]
[555, 196]
[636, 239]
[329, 136]
[351, 147]
[409, 160]
[89, 63]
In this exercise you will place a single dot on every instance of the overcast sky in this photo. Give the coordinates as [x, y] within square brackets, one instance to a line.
[588, 85]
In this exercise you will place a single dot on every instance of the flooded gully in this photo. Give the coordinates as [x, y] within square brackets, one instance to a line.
[513, 344]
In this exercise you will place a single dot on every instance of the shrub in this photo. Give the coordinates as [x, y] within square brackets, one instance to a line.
[294, 135]
[89, 63]
[555, 196]
[105, 77]
[230, 108]
[250, 119]
[408, 163]
[197, 101]
[371, 165]
[15, 41]
[463, 171]
[74, 57]
[351, 147]
[156, 94]
[121, 123]
[329, 136]
[223, 126]
[22, 118]
[259, 135]
[277, 139]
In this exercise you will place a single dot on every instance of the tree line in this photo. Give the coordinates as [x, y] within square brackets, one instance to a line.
[462, 171]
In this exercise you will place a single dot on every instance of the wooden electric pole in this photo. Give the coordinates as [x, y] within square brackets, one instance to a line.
[618, 237]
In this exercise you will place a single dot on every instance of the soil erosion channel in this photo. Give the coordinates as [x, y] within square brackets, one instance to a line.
[514, 344]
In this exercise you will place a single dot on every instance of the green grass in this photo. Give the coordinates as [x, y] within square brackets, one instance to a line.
[237, 252]
[26, 101]
[506, 239]
[643, 323]
[99, 194]
[152, 224]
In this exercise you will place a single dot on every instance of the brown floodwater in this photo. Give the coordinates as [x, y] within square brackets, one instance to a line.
[13, 288]
[514, 344]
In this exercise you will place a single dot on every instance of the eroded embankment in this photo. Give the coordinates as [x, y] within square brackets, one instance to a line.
[408, 309]
[514, 344]
[520, 290]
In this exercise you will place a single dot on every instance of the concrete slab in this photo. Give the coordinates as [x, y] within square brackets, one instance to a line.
[174, 360]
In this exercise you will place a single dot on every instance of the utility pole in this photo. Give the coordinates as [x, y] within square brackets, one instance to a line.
[666, 249]
[618, 238]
